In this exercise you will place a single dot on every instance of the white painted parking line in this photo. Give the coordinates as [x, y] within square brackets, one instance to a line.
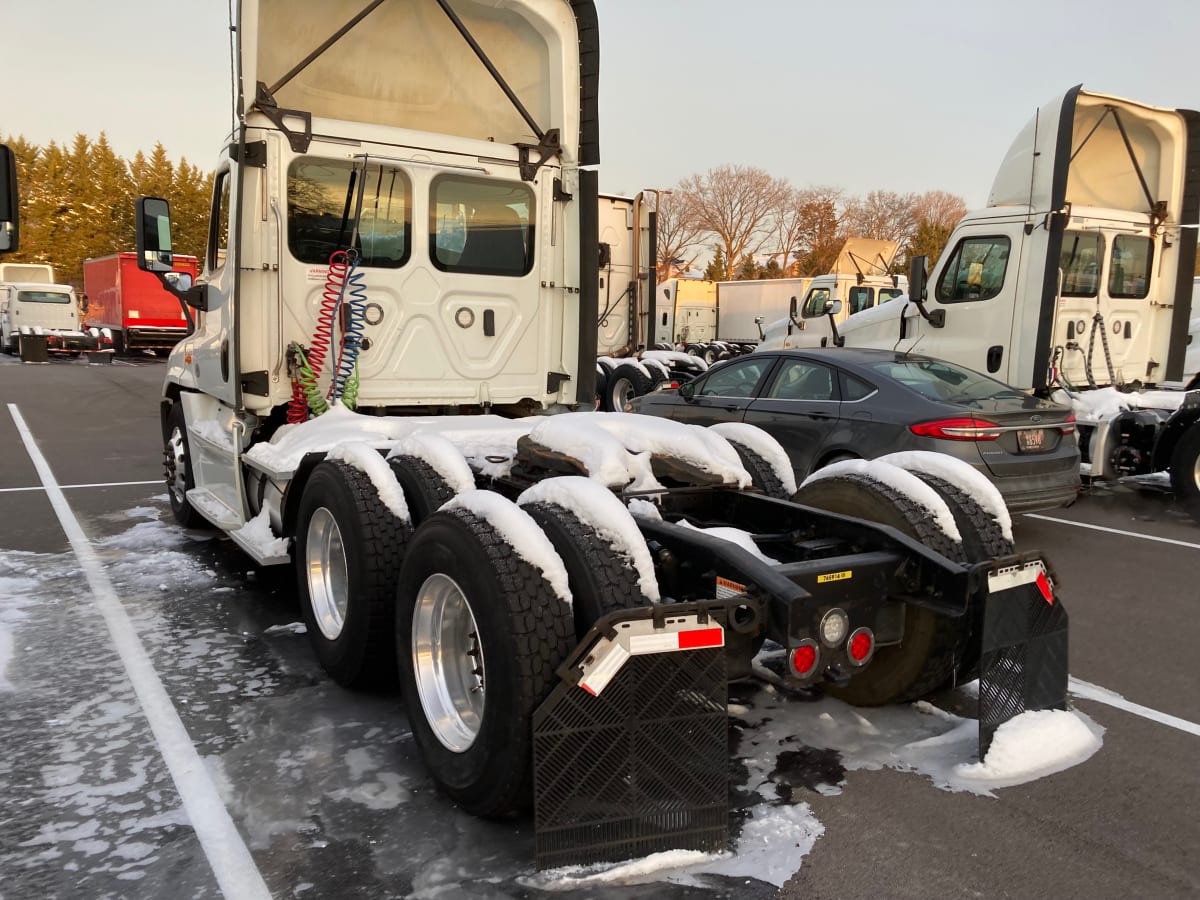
[72, 487]
[1144, 537]
[227, 854]
[1088, 691]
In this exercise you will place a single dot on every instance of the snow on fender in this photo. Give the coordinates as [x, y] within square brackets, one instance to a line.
[899, 480]
[441, 455]
[754, 438]
[598, 507]
[522, 533]
[962, 475]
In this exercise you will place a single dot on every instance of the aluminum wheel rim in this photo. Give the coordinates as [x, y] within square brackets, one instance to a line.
[328, 576]
[176, 466]
[448, 662]
[1196, 471]
[621, 392]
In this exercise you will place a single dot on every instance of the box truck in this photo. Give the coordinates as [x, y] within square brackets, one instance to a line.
[131, 308]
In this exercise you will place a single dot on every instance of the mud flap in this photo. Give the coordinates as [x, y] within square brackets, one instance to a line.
[1023, 657]
[630, 750]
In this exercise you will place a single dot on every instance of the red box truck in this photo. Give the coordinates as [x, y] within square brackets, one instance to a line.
[131, 307]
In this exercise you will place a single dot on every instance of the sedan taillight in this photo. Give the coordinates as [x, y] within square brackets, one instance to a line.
[964, 429]
[1067, 427]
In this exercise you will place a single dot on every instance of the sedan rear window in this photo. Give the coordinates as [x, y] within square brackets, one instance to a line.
[944, 382]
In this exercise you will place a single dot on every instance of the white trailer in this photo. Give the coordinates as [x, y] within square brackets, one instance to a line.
[411, 280]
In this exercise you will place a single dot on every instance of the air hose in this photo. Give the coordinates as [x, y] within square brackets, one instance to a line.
[307, 396]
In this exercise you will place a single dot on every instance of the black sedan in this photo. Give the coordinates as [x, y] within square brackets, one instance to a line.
[825, 405]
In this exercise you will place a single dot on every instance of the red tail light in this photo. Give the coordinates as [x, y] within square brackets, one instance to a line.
[860, 646]
[803, 659]
[967, 428]
[1068, 427]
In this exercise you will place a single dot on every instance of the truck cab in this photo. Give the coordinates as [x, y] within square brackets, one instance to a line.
[1079, 270]
[47, 310]
[686, 312]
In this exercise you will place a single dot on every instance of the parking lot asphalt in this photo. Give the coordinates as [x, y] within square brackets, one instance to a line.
[325, 787]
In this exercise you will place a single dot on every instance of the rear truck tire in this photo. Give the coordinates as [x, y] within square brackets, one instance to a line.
[348, 551]
[762, 473]
[424, 487]
[177, 468]
[601, 582]
[925, 658]
[625, 382]
[983, 539]
[711, 354]
[1185, 471]
[479, 634]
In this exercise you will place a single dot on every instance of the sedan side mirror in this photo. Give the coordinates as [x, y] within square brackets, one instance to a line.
[688, 391]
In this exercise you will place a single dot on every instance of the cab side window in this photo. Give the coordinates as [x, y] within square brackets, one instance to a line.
[218, 231]
[975, 271]
[814, 303]
[861, 298]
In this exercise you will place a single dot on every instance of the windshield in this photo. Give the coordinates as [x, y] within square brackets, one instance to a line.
[945, 382]
[43, 297]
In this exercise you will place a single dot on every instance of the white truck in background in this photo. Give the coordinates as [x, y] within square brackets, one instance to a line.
[1077, 276]
[32, 306]
[779, 313]
[408, 287]
[686, 312]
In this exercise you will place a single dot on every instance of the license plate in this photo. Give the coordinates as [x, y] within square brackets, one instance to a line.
[1031, 439]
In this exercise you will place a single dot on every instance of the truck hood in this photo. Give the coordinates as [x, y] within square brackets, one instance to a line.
[405, 65]
[1074, 151]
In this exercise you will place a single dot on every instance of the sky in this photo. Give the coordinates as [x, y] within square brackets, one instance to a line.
[913, 96]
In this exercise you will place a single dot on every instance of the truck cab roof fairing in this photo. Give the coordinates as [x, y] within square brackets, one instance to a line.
[405, 65]
[1098, 167]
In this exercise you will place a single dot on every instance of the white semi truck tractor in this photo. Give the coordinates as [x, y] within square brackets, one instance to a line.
[394, 331]
[1077, 276]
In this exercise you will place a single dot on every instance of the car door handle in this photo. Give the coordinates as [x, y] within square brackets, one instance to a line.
[730, 408]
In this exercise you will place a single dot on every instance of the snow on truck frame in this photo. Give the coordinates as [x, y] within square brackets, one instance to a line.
[410, 278]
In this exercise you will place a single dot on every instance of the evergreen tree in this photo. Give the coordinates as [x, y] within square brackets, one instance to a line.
[748, 270]
[715, 271]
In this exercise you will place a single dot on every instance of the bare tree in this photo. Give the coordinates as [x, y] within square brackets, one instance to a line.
[735, 204]
[821, 233]
[939, 208]
[884, 216]
[678, 234]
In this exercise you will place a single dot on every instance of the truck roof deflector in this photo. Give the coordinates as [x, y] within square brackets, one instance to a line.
[1157, 208]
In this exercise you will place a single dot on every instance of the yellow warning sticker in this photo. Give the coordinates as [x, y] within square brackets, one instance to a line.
[834, 576]
[727, 588]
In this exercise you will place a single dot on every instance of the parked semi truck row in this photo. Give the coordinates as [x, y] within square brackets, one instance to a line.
[1076, 277]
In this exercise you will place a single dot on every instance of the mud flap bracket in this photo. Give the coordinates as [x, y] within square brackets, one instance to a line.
[1023, 656]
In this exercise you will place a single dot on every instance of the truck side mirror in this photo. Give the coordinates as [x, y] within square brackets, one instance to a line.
[10, 201]
[154, 253]
[916, 278]
[833, 307]
[917, 291]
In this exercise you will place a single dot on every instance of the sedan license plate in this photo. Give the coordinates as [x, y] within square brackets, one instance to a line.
[1031, 440]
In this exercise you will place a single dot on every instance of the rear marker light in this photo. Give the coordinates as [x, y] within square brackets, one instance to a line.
[834, 626]
[860, 646]
[803, 659]
[967, 428]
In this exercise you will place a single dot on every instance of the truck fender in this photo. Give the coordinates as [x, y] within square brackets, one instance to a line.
[1181, 421]
[295, 490]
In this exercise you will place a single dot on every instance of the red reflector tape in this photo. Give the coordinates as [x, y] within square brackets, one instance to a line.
[1043, 584]
[703, 637]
